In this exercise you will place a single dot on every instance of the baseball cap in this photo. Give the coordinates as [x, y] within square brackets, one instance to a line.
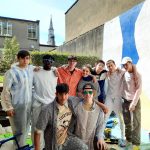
[125, 60]
[72, 57]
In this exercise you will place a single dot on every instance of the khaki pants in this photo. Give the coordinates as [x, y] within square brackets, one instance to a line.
[132, 122]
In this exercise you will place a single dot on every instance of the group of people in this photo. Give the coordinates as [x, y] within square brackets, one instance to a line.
[67, 107]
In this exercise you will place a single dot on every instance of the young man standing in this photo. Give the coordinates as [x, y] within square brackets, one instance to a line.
[17, 95]
[44, 83]
[100, 73]
[113, 96]
[70, 74]
[54, 120]
[132, 87]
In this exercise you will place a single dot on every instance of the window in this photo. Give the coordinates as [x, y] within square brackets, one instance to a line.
[5, 29]
[32, 31]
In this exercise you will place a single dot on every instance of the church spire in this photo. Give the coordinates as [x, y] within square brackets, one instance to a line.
[51, 37]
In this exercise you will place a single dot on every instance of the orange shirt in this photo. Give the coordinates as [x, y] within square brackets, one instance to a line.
[64, 76]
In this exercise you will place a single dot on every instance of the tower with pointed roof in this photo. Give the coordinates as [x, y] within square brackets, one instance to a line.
[51, 36]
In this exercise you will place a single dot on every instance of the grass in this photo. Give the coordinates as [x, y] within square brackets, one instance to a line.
[1, 79]
[8, 135]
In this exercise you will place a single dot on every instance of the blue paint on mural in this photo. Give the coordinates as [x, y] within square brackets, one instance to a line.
[127, 23]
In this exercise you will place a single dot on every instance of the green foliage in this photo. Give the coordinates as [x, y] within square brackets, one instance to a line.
[11, 48]
[1, 79]
[61, 59]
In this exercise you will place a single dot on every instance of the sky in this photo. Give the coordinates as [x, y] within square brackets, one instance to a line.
[39, 10]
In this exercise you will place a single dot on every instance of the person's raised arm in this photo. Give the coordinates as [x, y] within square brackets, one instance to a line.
[102, 106]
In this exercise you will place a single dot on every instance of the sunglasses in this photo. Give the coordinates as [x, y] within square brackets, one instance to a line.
[48, 61]
[87, 92]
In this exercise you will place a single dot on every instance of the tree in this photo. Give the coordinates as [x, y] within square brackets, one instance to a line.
[11, 48]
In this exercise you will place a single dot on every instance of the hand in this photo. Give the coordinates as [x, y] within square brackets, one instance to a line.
[101, 145]
[131, 107]
[94, 79]
[56, 72]
[10, 113]
[36, 69]
[105, 109]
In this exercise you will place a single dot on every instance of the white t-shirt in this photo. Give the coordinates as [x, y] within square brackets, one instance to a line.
[45, 83]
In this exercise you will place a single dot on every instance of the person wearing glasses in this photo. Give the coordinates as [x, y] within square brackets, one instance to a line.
[90, 119]
[88, 78]
[44, 89]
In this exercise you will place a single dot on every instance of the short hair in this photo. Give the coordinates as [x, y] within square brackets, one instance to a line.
[100, 61]
[47, 56]
[88, 66]
[88, 84]
[48, 59]
[62, 88]
[23, 54]
[110, 61]
[70, 57]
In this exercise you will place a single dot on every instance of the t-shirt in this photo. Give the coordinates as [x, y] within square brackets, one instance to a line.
[45, 83]
[63, 121]
[101, 80]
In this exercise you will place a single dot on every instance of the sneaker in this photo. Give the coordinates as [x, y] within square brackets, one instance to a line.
[135, 147]
[122, 143]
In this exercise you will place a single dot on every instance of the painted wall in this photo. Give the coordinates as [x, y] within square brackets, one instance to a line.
[86, 15]
[129, 35]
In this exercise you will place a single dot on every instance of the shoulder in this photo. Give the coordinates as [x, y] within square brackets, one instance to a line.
[47, 109]
[73, 100]
[78, 70]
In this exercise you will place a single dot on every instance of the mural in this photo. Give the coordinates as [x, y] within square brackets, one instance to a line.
[129, 35]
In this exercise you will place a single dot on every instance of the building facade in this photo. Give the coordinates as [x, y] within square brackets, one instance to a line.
[25, 31]
[85, 15]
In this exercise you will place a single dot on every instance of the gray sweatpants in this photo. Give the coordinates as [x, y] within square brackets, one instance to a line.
[132, 122]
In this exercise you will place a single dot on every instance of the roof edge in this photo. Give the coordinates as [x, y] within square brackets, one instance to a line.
[71, 6]
[1, 17]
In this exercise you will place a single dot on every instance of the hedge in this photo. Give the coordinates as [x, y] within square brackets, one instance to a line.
[61, 59]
